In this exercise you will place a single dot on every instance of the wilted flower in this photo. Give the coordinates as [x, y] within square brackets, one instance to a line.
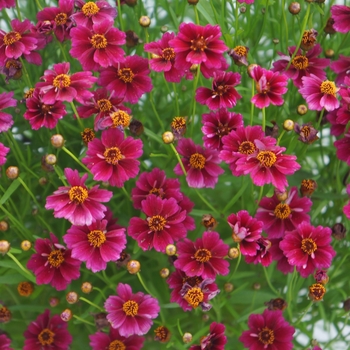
[239, 55]
[308, 40]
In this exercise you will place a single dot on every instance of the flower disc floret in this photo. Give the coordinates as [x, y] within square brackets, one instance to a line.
[89, 9]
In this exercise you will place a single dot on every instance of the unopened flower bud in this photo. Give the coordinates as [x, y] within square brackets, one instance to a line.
[288, 125]
[321, 277]
[302, 109]
[187, 338]
[72, 297]
[276, 41]
[12, 172]
[276, 304]
[26, 245]
[168, 137]
[193, 2]
[256, 286]
[136, 127]
[205, 317]
[242, 9]
[5, 314]
[66, 315]
[144, 21]
[164, 29]
[4, 247]
[164, 272]
[131, 38]
[209, 222]
[43, 181]
[86, 287]
[338, 231]
[133, 266]
[25, 289]
[54, 301]
[4, 226]
[228, 287]
[294, 8]
[307, 187]
[170, 249]
[194, 68]
[57, 141]
[346, 305]
[329, 53]
[50, 159]
[281, 196]
[233, 253]
[250, 68]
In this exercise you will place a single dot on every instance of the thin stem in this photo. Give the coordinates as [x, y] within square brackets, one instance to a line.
[18, 11]
[179, 159]
[206, 202]
[263, 119]
[126, 193]
[303, 314]
[92, 304]
[75, 158]
[30, 276]
[120, 16]
[77, 115]
[179, 328]
[38, 4]
[269, 282]
[28, 190]
[82, 320]
[143, 284]
[176, 100]
[195, 84]
[236, 267]
[100, 291]
[60, 175]
[280, 137]
[155, 111]
[196, 14]
[26, 73]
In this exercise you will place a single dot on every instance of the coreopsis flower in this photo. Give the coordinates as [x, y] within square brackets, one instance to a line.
[337, 128]
[215, 340]
[341, 17]
[113, 158]
[90, 13]
[131, 313]
[280, 216]
[164, 57]
[239, 55]
[270, 87]
[129, 80]
[248, 2]
[3, 153]
[187, 204]
[163, 224]
[307, 133]
[7, 4]
[6, 100]
[308, 40]
[60, 17]
[277, 255]
[195, 44]
[268, 331]
[346, 208]
[77, 203]
[97, 47]
[245, 231]
[200, 164]
[5, 342]
[59, 85]
[222, 94]
[40, 114]
[343, 147]
[20, 41]
[47, 333]
[308, 248]
[319, 93]
[204, 257]
[218, 124]
[262, 254]
[302, 64]
[155, 182]
[113, 340]
[53, 263]
[341, 66]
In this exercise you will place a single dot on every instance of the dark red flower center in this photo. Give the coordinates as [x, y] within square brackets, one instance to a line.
[46, 337]
[5, 314]
[61, 81]
[317, 291]
[89, 9]
[162, 334]
[266, 336]
[202, 255]
[45, 108]
[78, 194]
[87, 135]
[96, 238]
[197, 161]
[61, 19]
[266, 158]
[126, 75]
[308, 246]
[194, 296]
[168, 54]
[156, 223]
[328, 88]
[246, 147]
[131, 308]
[223, 130]
[157, 192]
[113, 155]
[282, 211]
[120, 118]
[192, 281]
[116, 345]
[99, 41]
[198, 44]
[220, 90]
[55, 258]
[262, 87]
[309, 38]
[300, 62]
[11, 37]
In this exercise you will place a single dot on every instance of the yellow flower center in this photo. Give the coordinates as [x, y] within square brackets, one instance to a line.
[157, 192]
[87, 135]
[246, 147]
[126, 75]
[161, 334]
[104, 105]
[98, 41]
[300, 62]
[308, 246]
[197, 161]
[11, 37]
[61, 19]
[89, 9]
[266, 158]
[317, 291]
[202, 255]
[120, 118]
[198, 44]
[55, 258]
[116, 345]
[168, 54]
[178, 123]
[46, 337]
[282, 211]
[61, 81]
[130, 308]
[78, 194]
[266, 336]
[96, 238]
[156, 223]
[328, 88]
[194, 296]
[113, 155]
[240, 50]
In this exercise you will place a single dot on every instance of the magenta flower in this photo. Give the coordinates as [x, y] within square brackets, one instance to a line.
[337, 128]
[215, 340]
[268, 331]
[113, 158]
[97, 47]
[3, 153]
[47, 333]
[204, 257]
[343, 147]
[346, 208]
[308, 248]
[76, 203]
[319, 94]
[59, 85]
[7, 4]
[341, 66]
[5, 342]
[218, 124]
[131, 313]
[196, 44]
[164, 58]
[277, 255]
[222, 94]
[341, 17]
[262, 254]
[40, 114]
[270, 87]
[6, 100]
[200, 164]
[96, 244]
[53, 264]
[245, 231]
[129, 80]
[163, 224]
[280, 216]
[113, 340]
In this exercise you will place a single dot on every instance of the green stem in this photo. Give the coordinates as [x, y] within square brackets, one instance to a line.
[195, 84]
[100, 291]
[82, 320]
[176, 100]
[126, 194]
[30, 276]
[29, 191]
[75, 158]
[38, 4]
[196, 14]
[18, 11]
[304, 313]
[179, 159]
[26, 73]
[120, 16]
[155, 111]
[206, 202]
[179, 328]
[269, 282]
[143, 284]
[91, 303]
[60, 175]
[280, 137]
[339, 333]
[320, 119]
[236, 267]
[77, 115]
[263, 119]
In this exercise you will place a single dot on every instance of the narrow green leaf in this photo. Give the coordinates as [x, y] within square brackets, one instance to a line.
[12, 188]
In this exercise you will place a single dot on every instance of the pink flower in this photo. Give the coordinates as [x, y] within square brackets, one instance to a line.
[131, 313]
[200, 164]
[341, 66]
[319, 94]
[215, 340]
[53, 264]
[7, 4]
[346, 208]
[245, 231]
[129, 80]
[3, 153]
[59, 85]
[97, 47]
[222, 94]
[5, 342]
[47, 333]
[343, 147]
[163, 224]
[248, 2]
[218, 124]
[277, 255]
[40, 114]
[268, 331]
[341, 17]
[76, 203]
[113, 158]
[204, 257]
[262, 254]
[6, 100]
[270, 87]
[308, 248]
[280, 216]
[113, 340]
